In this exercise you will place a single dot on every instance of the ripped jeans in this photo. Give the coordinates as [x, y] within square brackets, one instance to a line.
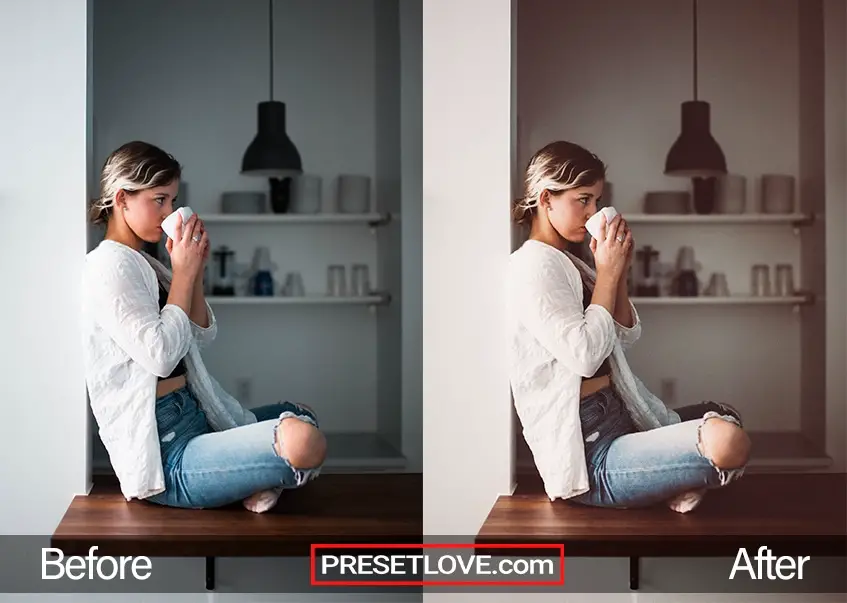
[631, 468]
[204, 468]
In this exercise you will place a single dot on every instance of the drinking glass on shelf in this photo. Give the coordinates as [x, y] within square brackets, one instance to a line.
[361, 284]
[761, 280]
[784, 280]
[336, 281]
[293, 285]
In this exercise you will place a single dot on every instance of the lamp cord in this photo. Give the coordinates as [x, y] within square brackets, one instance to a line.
[694, 54]
[271, 44]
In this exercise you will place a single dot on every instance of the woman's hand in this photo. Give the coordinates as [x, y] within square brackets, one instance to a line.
[613, 249]
[189, 248]
[206, 242]
[631, 251]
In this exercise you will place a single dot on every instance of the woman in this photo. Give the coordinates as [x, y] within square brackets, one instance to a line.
[173, 435]
[597, 435]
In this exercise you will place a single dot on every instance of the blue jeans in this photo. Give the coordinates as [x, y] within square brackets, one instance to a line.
[628, 468]
[204, 468]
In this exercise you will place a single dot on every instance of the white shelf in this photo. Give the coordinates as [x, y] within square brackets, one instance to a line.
[249, 300]
[361, 453]
[372, 219]
[751, 219]
[785, 451]
[731, 300]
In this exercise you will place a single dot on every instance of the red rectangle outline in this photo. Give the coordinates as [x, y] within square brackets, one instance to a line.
[314, 582]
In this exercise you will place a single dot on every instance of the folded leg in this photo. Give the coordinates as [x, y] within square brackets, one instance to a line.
[648, 467]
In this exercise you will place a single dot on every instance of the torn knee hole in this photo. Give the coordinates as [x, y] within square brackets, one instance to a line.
[723, 442]
[299, 443]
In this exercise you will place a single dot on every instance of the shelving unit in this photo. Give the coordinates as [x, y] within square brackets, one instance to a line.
[244, 300]
[348, 452]
[797, 219]
[371, 219]
[735, 300]
[773, 451]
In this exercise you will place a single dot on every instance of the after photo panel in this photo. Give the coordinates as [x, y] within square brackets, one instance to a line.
[635, 340]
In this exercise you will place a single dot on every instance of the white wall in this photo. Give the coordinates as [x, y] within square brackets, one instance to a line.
[611, 75]
[466, 198]
[43, 452]
[194, 91]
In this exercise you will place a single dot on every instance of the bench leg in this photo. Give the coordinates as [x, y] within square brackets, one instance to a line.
[210, 573]
[634, 572]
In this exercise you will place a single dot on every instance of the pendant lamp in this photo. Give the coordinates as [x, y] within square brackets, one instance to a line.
[271, 154]
[695, 154]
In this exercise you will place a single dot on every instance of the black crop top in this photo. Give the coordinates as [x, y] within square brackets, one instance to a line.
[605, 368]
[179, 369]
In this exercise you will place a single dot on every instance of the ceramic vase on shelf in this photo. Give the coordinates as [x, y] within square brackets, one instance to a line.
[777, 194]
[306, 192]
[354, 194]
[731, 194]
[703, 194]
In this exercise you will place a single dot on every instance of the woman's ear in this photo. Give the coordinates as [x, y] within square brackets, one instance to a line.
[544, 200]
[120, 199]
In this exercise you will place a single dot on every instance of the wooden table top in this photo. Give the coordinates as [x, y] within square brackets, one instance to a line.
[359, 509]
[806, 513]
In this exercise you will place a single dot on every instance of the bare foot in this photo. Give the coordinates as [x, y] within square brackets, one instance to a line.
[687, 501]
[262, 501]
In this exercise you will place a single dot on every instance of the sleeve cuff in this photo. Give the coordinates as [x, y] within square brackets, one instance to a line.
[204, 334]
[608, 320]
[635, 320]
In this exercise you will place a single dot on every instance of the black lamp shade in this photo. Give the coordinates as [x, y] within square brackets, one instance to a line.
[271, 154]
[695, 154]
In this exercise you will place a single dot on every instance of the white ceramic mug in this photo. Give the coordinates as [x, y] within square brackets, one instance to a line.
[593, 224]
[169, 225]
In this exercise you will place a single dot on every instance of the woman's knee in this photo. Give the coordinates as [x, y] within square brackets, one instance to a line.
[301, 443]
[726, 444]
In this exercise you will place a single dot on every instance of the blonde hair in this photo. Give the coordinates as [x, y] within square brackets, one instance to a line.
[557, 167]
[133, 167]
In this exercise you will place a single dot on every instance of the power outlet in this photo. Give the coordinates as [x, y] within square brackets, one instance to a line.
[244, 390]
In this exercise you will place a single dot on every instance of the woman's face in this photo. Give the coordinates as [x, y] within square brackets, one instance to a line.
[568, 211]
[147, 209]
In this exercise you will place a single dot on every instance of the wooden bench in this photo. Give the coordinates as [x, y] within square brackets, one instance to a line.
[792, 514]
[339, 508]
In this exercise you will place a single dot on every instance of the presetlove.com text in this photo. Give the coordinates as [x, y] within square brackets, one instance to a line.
[437, 565]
